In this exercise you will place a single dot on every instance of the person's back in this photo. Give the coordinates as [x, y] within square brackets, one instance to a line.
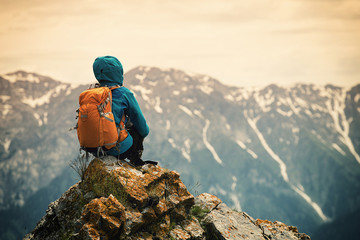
[109, 72]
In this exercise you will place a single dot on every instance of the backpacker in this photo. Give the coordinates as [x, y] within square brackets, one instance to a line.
[96, 126]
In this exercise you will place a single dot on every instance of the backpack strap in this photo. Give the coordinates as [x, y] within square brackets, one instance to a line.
[114, 87]
[122, 133]
[102, 106]
[121, 129]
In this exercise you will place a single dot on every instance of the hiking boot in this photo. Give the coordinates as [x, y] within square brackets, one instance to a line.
[150, 162]
[136, 161]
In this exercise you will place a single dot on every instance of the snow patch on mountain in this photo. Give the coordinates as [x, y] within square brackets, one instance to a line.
[230, 98]
[208, 145]
[152, 83]
[168, 80]
[264, 101]
[252, 153]
[145, 68]
[172, 143]
[300, 102]
[198, 113]
[6, 109]
[38, 118]
[189, 100]
[44, 99]
[185, 151]
[239, 94]
[6, 145]
[21, 76]
[338, 148]
[45, 120]
[234, 198]
[286, 114]
[186, 110]
[233, 185]
[316, 107]
[217, 190]
[206, 89]
[144, 92]
[167, 125]
[292, 106]
[336, 108]
[157, 107]
[243, 146]
[252, 123]
[141, 77]
[357, 98]
[318, 136]
[4, 98]
[184, 89]
[314, 205]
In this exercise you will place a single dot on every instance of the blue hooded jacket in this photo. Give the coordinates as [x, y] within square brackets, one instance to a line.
[109, 72]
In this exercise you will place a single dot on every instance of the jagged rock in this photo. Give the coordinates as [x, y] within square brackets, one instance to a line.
[225, 223]
[207, 201]
[104, 214]
[118, 201]
[179, 233]
[279, 230]
[194, 228]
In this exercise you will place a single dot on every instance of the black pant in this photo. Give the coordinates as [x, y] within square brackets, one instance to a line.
[135, 151]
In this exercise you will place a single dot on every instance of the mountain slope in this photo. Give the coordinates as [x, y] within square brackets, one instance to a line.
[36, 114]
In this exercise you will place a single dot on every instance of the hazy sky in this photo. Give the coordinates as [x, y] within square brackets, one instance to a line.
[239, 42]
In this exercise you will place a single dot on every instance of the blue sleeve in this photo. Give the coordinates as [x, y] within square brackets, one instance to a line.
[135, 114]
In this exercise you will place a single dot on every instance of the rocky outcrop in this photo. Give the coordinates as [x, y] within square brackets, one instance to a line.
[118, 201]
[224, 223]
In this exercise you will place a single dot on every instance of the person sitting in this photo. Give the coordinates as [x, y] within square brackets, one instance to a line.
[108, 71]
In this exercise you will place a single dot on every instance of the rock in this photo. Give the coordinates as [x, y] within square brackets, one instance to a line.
[279, 230]
[104, 214]
[134, 220]
[224, 223]
[61, 215]
[179, 233]
[194, 228]
[118, 201]
[208, 201]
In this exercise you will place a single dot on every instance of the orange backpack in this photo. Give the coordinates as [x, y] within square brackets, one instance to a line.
[96, 126]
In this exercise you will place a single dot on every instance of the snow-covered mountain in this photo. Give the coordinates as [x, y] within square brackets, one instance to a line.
[36, 112]
[284, 153]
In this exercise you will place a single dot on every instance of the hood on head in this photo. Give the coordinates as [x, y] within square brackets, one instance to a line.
[108, 71]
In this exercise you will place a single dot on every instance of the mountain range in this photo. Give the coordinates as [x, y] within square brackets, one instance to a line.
[278, 153]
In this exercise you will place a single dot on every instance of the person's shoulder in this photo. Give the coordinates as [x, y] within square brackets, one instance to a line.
[126, 91]
[121, 90]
